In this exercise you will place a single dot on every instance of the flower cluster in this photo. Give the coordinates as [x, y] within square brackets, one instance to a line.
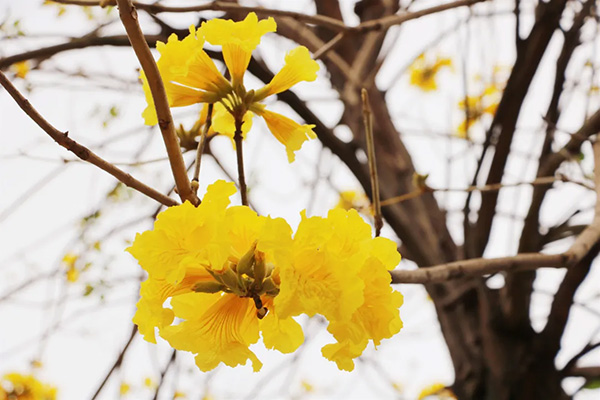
[232, 276]
[190, 77]
[15, 386]
[477, 107]
[423, 72]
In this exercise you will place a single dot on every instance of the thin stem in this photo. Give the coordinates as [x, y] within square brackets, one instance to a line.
[368, 121]
[201, 147]
[238, 138]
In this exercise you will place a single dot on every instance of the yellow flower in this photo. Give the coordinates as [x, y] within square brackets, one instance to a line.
[218, 265]
[124, 388]
[423, 72]
[15, 386]
[149, 383]
[191, 77]
[439, 390]
[478, 106]
[339, 271]
[231, 275]
[21, 69]
[72, 273]
[351, 199]
[179, 395]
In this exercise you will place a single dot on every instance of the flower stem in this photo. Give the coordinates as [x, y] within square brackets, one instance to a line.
[238, 138]
[201, 147]
[368, 121]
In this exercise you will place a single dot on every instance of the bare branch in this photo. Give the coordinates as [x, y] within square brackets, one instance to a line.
[81, 151]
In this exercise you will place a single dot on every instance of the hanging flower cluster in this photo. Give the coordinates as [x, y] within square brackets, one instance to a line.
[232, 275]
[15, 386]
[190, 76]
[220, 277]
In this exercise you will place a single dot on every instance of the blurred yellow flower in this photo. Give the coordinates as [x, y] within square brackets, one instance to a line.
[15, 386]
[21, 69]
[438, 391]
[423, 72]
[72, 273]
[190, 76]
[124, 388]
[482, 104]
[179, 395]
[352, 199]
[149, 383]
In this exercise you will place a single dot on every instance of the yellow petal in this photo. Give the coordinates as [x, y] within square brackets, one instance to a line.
[238, 40]
[299, 66]
[284, 335]
[221, 330]
[291, 134]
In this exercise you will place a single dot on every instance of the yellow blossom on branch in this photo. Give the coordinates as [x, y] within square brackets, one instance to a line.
[15, 386]
[232, 276]
[190, 76]
[352, 199]
[218, 265]
[423, 72]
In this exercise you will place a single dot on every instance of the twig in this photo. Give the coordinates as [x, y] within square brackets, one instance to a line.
[368, 121]
[583, 245]
[117, 363]
[238, 138]
[81, 151]
[545, 180]
[128, 16]
[329, 45]
[164, 372]
[320, 20]
[201, 147]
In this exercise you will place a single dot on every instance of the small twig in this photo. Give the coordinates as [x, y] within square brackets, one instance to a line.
[128, 16]
[238, 138]
[546, 180]
[81, 151]
[117, 363]
[201, 147]
[329, 45]
[164, 372]
[368, 121]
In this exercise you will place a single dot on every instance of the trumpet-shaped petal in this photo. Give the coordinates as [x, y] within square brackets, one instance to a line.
[377, 318]
[299, 66]
[238, 40]
[188, 73]
[218, 328]
[327, 255]
[284, 335]
[289, 133]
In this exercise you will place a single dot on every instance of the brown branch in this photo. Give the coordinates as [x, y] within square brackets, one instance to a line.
[481, 266]
[589, 373]
[384, 23]
[81, 151]
[586, 247]
[381, 24]
[129, 18]
[577, 258]
[545, 180]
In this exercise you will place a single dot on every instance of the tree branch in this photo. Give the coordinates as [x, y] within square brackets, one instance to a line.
[128, 16]
[81, 151]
